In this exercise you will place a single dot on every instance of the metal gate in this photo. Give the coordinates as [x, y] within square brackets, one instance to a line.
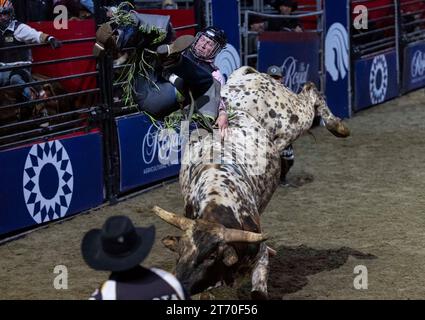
[310, 15]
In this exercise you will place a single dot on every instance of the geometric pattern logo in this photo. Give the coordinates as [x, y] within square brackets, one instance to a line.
[48, 181]
[378, 81]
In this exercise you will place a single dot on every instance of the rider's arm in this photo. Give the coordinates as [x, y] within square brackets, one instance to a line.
[25, 33]
[222, 108]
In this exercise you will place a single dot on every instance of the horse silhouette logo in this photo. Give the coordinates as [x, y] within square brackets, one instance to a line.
[336, 51]
[228, 60]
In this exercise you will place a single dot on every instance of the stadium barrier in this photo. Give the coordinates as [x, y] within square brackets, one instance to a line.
[73, 150]
[51, 147]
[359, 68]
[412, 53]
[374, 54]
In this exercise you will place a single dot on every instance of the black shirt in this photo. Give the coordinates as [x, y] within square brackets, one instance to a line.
[283, 24]
[141, 284]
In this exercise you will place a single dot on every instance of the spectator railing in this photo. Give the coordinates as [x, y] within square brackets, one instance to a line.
[74, 128]
[249, 49]
[375, 53]
[412, 20]
[52, 148]
[157, 4]
[249, 53]
[381, 33]
[47, 116]
[412, 44]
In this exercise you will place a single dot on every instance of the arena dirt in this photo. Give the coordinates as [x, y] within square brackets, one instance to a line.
[364, 206]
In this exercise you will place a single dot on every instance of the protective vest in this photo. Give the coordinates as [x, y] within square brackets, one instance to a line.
[7, 39]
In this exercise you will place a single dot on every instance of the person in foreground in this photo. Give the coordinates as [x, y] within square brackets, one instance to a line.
[120, 247]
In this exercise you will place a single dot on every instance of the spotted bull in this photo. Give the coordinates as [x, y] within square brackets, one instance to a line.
[222, 236]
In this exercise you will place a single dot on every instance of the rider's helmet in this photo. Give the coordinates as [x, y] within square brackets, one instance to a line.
[6, 13]
[208, 43]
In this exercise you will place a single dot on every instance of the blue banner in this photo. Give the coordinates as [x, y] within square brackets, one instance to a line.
[337, 57]
[375, 80]
[414, 67]
[225, 15]
[295, 53]
[146, 155]
[50, 180]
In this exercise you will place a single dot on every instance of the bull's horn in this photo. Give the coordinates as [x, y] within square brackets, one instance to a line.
[180, 222]
[235, 235]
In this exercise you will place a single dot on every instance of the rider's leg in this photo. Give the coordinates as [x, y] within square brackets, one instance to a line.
[4, 78]
[159, 100]
[197, 79]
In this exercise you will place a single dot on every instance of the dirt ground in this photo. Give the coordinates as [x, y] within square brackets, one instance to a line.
[365, 206]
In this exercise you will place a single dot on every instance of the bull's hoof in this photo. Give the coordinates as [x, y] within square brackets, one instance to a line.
[340, 130]
[259, 295]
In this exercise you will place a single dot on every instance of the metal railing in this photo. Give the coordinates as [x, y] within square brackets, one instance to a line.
[157, 4]
[40, 118]
[249, 52]
[412, 21]
[381, 32]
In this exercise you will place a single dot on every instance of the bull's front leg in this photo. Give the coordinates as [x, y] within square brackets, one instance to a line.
[260, 274]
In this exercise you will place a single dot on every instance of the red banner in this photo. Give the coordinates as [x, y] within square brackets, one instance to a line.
[79, 29]
[76, 30]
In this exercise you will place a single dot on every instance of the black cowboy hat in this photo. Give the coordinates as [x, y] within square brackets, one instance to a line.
[288, 3]
[118, 246]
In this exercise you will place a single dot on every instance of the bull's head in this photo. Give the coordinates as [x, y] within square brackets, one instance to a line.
[206, 255]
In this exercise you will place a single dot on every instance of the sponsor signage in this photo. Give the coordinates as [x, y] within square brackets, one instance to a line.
[50, 180]
[375, 80]
[337, 58]
[147, 153]
[294, 53]
[414, 67]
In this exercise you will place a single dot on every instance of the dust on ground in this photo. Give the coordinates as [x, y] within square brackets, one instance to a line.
[362, 202]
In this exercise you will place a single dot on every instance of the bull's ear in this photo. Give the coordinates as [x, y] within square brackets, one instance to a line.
[171, 242]
[230, 256]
